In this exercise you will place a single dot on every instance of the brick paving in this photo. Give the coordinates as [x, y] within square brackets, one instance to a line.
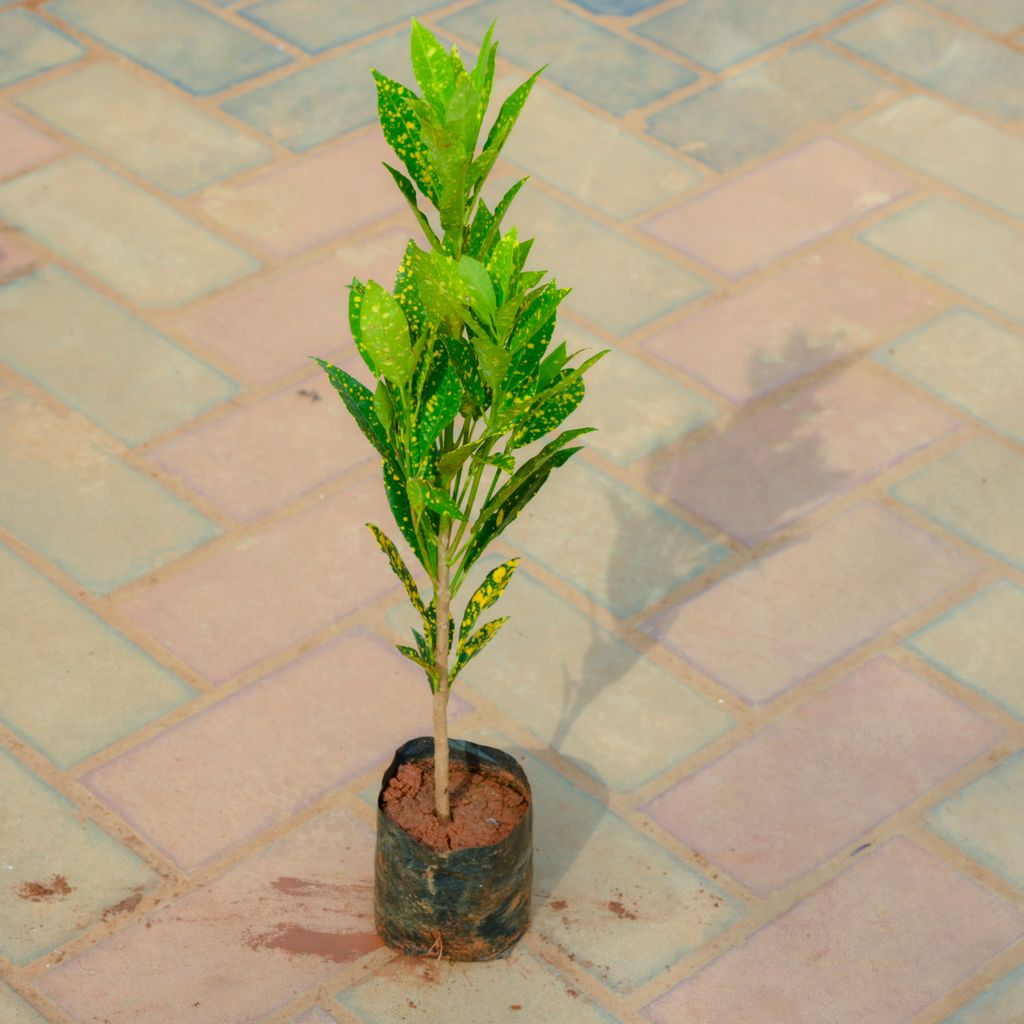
[764, 665]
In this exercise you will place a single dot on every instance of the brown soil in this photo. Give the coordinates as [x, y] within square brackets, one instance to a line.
[486, 805]
[37, 892]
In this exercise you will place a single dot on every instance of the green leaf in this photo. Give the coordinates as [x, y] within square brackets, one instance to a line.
[463, 359]
[356, 291]
[535, 316]
[500, 459]
[470, 648]
[383, 407]
[439, 409]
[553, 362]
[463, 114]
[408, 190]
[358, 400]
[500, 264]
[479, 230]
[401, 130]
[431, 66]
[385, 334]
[547, 415]
[441, 289]
[450, 463]
[478, 286]
[483, 71]
[398, 499]
[401, 570]
[493, 361]
[486, 594]
[450, 162]
[501, 128]
[407, 295]
[499, 213]
[422, 494]
[432, 632]
[417, 659]
[521, 253]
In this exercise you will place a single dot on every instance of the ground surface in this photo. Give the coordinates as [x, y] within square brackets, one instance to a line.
[764, 665]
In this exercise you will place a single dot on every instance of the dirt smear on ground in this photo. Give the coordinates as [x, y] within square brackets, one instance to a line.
[45, 892]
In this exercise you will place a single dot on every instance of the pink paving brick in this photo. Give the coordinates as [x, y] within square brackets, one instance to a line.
[273, 326]
[22, 146]
[780, 207]
[257, 595]
[309, 201]
[258, 458]
[771, 469]
[831, 303]
[817, 780]
[797, 610]
[15, 258]
[255, 938]
[878, 944]
[202, 787]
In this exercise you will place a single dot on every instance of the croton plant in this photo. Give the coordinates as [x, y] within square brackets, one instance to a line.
[464, 372]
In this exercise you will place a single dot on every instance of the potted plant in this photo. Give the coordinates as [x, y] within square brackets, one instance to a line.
[465, 378]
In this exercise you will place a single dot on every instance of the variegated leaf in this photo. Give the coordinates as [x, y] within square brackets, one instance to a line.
[398, 499]
[432, 67]
[358, 400]
[464, 359]
[400, 569]
[400, 125]
[486, 594]
[436, 413]
[417, 659]
[548, 414]
[406, 187]
[385, 334]
[423, 494]
[470, 648]
[499, 132]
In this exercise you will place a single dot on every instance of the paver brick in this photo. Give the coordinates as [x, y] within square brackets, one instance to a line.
[968, 361]
[175, 38]
[246, 944]
[69, 684]
[999, 1004]
[257, 757]
[930, 51]
[960, 247]
[304, 203]
[911, 928]
[981, 644]
[305, 571]
[1001, 16]
[977, 491]
[62, 874]
[29, 45]
[22, 146]
[756, 112]
[802, 607]
[143, 248]
[112, 367]
[778, 208]
[15, 1009]
[580, 53]
[149, 130]
[67, 495]
[823, 776]
[15, 256]
[832, 303]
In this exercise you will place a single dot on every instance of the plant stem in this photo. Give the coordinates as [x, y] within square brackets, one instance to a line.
[442, 599]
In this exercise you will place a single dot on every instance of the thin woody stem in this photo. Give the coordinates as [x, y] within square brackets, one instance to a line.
[442, 598]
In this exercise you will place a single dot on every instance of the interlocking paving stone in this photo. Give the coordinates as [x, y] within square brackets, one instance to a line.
[757, 112]
[999, 1004]
[68, 496]
[252, 329]
[823, 776]
[15, 257]
[136, 384]
[583, 528]
[1000, 16]
[616, 282]
[969, 361]
[582, 690]
[911, 928]
[22, 146]
[253, 760]
[69, 684]
[483, 993]
[29, 45]
[950, 145]
[967, 250]
[309, 201]
[61, 872]
[244, 945]
[140, 246]
[986, 819]
[316, 27]
[635, 408]
[615, 7]
[147, 129]
[717, 33]
[581, 54]
[262, 456]
[333, 97]
[769, 470]
[981, 644]
[932, 52]
[619, 174]
[315, 1016]
[778, 208]
[977, 491]
[798, 609]
[177, 39]
[307, 570]
[834, 302]
[15, 1009]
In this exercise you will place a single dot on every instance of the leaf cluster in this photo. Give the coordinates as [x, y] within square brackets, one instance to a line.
[460, 349]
